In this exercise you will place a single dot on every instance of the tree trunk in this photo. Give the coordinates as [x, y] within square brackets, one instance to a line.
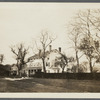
[19, 68]
[90, 63]
[43, 59]
[44, 70]
[77, 59]
[62, 70]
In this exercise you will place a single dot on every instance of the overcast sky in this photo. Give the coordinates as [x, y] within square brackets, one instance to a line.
[21, 22]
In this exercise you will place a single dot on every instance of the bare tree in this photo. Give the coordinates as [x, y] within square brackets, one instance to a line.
[75, 36]
[1, 58]
[95, 23]
[20, 53]
[88, 45]
[45, 41]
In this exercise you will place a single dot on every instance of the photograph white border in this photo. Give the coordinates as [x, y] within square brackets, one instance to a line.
[54, 95]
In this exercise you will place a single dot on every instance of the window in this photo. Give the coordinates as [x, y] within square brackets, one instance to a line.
[31, 71]
[48, 64]
[35, 70]
[39, 70]
[55, 59]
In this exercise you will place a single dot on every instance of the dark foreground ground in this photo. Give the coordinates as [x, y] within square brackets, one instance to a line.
[48, 85]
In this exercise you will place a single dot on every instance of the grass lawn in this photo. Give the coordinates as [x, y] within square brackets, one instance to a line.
[49, 85]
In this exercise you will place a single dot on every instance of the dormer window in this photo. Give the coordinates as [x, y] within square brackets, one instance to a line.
[31, 71]
[47, 64]
[55, 59]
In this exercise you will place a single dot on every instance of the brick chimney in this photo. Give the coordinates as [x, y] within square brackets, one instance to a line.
[59, 49]
[50, 48]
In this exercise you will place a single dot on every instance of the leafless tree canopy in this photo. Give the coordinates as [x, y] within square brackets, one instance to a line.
[85, 34]
[20, 52]
[45, 40]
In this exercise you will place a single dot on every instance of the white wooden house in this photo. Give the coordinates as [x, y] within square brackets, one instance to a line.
[36, 65]
[51, 58]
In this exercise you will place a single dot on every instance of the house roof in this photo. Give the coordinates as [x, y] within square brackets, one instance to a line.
[37, 56]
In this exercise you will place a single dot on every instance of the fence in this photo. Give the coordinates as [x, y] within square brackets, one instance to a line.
[79, 76]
